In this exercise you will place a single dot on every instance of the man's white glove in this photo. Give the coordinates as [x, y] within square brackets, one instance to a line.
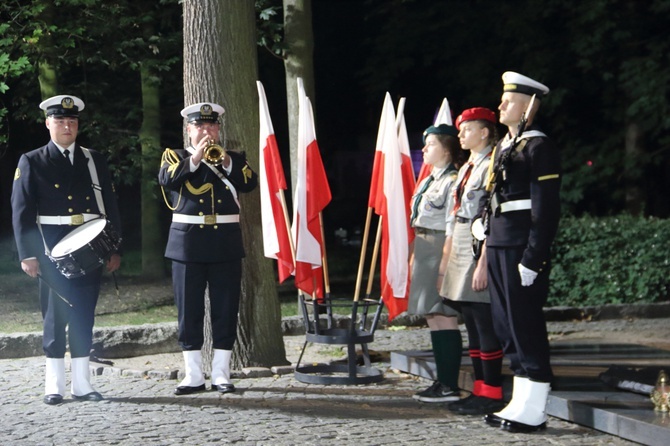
[527, 275]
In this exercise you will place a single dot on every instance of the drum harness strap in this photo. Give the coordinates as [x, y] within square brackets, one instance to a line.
[85, 217]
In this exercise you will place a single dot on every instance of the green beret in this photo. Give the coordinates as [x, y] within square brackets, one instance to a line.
[442, 129]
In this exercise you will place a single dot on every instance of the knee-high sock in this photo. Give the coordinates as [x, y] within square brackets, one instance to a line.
[492, 367]
[447, 350]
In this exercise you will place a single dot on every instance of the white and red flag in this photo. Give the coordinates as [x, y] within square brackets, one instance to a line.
[312, 195]
[391, 202]
[276, 236]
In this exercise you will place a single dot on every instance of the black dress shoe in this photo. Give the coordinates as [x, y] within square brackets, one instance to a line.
[53, 399]
[481, 405]
[521, 428]
[93, 396]
[223, 388]
[187, 390]
[456, 405]
[493, 420]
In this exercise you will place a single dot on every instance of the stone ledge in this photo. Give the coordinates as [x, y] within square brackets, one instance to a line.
[149, 339]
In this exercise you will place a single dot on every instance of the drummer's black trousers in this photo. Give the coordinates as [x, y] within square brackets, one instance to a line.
[77, 314]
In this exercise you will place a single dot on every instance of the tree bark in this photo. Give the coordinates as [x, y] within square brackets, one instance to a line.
[298, 62]
[634, 196]
[221, 65]
[152, 242]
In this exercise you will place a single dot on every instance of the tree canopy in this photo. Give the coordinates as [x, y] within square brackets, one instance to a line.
[604, 61]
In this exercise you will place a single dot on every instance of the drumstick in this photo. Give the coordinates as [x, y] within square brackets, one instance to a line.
[116, 284]
[54, 290]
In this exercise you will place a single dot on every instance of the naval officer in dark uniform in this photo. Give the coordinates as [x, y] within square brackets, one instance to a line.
[205, 242]
[54, 192]
[524, 220]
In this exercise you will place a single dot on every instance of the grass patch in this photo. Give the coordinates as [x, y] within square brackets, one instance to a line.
[153, 315]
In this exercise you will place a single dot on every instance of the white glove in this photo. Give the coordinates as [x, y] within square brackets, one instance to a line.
[527, 275]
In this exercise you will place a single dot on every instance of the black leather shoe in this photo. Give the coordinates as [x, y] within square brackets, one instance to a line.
[481, 405]
[223, 388]
[93, 396]
[493, 420]
[53, 399]
[521, 428]
[187, 390]
[456, 405]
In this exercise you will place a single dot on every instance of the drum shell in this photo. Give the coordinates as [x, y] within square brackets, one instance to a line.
[90, 255]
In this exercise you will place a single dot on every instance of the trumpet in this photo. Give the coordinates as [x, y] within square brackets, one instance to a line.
[214, 153]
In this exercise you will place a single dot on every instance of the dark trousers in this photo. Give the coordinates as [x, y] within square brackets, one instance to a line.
[518, 318]
[189, 281]
[82, 293]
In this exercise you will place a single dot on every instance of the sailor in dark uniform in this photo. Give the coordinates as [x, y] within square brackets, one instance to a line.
[55, 191]
[524, 220]
[205, 242]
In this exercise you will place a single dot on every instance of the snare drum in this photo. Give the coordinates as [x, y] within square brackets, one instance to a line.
[86, 248]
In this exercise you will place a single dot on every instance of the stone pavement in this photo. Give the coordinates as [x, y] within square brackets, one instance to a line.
[270, 409]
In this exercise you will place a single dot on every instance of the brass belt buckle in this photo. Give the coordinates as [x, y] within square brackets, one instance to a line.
[77, 219]
[210, 219]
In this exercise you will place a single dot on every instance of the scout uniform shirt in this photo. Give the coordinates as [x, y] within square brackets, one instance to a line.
[430, 204]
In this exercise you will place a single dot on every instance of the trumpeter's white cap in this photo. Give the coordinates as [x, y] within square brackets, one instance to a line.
[203, 111]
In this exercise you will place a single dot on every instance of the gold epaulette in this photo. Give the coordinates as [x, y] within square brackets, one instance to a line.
[170, 157]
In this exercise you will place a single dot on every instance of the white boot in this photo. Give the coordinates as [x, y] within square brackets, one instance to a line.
[221, 367]
[54, 377]
[534, 404]
[81, 388]
[193, 369]
[516, 403]
[221, 371]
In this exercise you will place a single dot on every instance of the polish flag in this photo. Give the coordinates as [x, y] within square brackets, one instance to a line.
[274, 217]
[443, 117]
[312, 194]
[391, 203]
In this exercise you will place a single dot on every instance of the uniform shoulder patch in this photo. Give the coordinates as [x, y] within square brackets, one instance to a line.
[17, 174]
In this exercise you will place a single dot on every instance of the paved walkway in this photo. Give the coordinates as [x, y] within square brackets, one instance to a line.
[140, 409]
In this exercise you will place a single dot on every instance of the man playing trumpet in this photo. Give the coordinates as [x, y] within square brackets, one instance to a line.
[205, 242]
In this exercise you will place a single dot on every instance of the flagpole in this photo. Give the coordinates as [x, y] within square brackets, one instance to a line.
[284, 208]
[361, 261]
[324, 259]
[373, 261]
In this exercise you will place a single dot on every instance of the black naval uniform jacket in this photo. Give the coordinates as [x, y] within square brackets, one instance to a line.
[45, 183]
[202, 192]
[532, 173]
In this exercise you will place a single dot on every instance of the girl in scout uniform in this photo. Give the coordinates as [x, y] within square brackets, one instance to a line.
[465, 280]
[429, 209]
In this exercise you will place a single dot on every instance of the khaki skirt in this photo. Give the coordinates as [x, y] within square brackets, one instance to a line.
[457, 284]
[423, 294]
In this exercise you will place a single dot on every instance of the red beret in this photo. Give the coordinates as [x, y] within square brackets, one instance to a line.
[475, 113]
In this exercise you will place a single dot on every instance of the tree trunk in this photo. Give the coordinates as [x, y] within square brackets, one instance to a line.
[634, 197]
[152, 243]
[221, 65]
[298, 62]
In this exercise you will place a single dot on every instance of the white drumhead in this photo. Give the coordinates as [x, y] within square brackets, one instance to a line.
[79, 237]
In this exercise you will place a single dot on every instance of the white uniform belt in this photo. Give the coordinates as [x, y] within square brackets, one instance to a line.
[205, 219]
[515, 205]
[73, 220]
